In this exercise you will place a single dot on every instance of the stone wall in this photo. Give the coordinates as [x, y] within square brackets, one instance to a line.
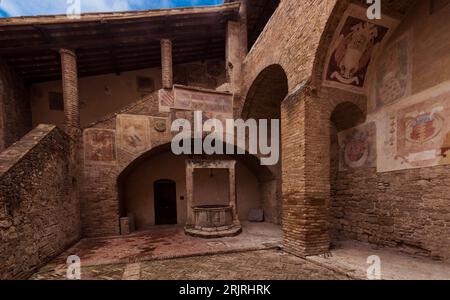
[39, 215]
[15, 114]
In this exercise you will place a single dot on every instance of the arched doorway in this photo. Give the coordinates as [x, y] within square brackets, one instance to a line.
[165, 201]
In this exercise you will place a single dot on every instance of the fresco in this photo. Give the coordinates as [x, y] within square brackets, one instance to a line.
[358, 147]
[202, 100]
[160, 131]
[99, 146]
[417, 132]
[133, 133]
[166, 100]
[354, 44]
[393, 74]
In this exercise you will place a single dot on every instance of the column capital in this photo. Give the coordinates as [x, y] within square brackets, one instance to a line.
[166, 41]
[67, 51]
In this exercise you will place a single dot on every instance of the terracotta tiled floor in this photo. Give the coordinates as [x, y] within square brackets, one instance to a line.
[167, 253]
[164, 242]
[252, 265]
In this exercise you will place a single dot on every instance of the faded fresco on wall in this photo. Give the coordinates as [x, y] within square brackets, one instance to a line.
[358, 147]
[201, 100]
[354, 44]
[417, 133]
[159, 131]
[99, 146]
[133, 133]
[166, 100]
[183, 98]
[393, 74]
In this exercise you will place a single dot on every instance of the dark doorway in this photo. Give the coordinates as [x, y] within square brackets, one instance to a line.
[165, 195]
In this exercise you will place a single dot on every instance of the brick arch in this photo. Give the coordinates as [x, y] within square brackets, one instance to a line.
[290, 39]
[264, 97]
[252, 162]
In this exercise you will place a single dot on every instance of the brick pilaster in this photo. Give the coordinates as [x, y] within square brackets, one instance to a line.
[243, 29]
[166, 63]
[306, 186]
[70, 90]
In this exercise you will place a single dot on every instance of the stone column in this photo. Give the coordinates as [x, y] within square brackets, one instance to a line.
[306, 182]
[189, 193]
[70, 91]
[166, 63]
[232, 182]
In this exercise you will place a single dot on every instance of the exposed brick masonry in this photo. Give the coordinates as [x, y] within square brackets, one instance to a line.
[70, 90]
[167, 64]
[39, 211]
[15, 113]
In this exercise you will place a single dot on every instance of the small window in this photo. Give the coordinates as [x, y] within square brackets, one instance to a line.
[145, 84]
[56, 101]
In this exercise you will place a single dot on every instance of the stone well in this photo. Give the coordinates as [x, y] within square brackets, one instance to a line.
[211, 221]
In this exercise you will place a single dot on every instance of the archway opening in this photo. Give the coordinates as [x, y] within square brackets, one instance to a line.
[345, 116]
[161, 175]
[263, 101]
[265, 95]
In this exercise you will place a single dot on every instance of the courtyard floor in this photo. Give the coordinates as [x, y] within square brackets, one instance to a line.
[167, 253]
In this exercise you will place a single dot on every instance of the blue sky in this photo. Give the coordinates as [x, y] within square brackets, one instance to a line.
[15, 8]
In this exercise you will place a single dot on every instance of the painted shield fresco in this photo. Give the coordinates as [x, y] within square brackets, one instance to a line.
[416, 131]
[393, 73]
[354, 45]
[358, 147]
[133, 133]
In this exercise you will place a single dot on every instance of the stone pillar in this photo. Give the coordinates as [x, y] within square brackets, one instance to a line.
[166, 63]
[70, 91]
[306, 182]
[189, 193]
[232, 182]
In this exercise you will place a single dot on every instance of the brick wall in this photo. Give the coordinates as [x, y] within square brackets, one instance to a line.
[405, 209]
[39, 210]
[99, 198]
[15, 113]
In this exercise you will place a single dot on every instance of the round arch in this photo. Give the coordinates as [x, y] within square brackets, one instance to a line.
[263, 100]
[159, 163]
